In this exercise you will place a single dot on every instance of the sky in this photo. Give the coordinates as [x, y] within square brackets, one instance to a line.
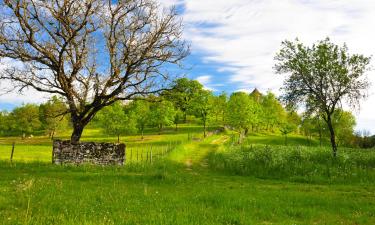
[233, 43]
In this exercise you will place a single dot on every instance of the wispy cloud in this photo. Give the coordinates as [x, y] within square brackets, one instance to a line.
[242, 36]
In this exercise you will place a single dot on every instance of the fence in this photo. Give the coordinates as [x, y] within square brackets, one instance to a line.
[137, 153]
[150, 153]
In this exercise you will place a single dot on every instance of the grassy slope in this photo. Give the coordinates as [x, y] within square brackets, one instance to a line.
[180, 190]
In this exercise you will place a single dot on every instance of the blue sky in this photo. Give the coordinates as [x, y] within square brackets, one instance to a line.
[233, 42]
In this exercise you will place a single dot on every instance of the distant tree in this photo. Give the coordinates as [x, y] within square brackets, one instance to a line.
[344, 124]
[272, 111]
[220, 107]
[162, 114]
[5, 126]
[52, 115]
[114, 121]
[240, 113]
[93, 53]
[183, 93]
[178, 118]
[26, 119]
[290, 124]
[321, 77]
[141, 110]
[203, 105]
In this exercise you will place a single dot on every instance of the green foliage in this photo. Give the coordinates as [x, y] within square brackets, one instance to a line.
[183, 94]
[202, 106]
[306, 164]
[272, 111]
[344, 124]
[52, 115]
[241, 112]
[321, 77]
[162, 113]
[141, 111]
[25, 119]
[114, 121]
[219, 108]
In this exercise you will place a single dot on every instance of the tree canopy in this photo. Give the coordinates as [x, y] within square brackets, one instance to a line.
[91, 52]
[322, 77]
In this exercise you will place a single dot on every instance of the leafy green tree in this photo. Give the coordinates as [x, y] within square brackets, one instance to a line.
[141, 110]
[344, 124]
[240, 113]
[273, 111]
[5, 127]
[203, 105]
[258, 116]
[162, 114]
[220, 107]
[290, 124]
[183, 93]
[26, 119]
[321, 77]
[114, 121]
[52, 115]
[178, 118]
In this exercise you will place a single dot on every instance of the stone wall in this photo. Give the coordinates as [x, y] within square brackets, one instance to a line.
[88, 152]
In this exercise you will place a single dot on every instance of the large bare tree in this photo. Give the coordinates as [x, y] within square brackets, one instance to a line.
[322, 77]
[91, 52]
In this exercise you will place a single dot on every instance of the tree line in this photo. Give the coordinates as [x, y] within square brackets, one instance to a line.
[100, 52]
[242, 112]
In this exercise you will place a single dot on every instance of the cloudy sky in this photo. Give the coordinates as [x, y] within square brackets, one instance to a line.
[234, 41]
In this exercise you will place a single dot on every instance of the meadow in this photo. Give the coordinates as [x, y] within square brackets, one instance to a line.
[200, 181]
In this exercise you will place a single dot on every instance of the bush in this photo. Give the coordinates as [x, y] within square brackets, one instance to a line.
[308, 164]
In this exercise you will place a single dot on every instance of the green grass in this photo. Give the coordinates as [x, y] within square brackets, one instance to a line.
[168, 193]
[40, 148]
[199, 182]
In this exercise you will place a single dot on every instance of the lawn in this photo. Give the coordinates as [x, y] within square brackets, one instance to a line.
[186, 187]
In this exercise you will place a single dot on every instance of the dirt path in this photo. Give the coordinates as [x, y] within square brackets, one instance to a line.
[195, 153]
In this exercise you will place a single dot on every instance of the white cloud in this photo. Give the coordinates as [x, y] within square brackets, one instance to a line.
[205, 80]
[15, 97]
[242, 36]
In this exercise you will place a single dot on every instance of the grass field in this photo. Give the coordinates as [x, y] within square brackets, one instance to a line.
[200, 182]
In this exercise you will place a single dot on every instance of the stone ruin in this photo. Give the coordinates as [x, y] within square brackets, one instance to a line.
[88, 152]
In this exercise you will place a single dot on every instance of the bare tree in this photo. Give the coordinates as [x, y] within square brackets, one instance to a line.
[322, 77]
[91, 52]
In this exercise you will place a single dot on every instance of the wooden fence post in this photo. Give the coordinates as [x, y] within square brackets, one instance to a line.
[11, 155]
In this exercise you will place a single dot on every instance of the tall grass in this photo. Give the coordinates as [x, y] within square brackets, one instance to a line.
[305, 164]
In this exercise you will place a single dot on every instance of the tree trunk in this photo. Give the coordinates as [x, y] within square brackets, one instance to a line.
[118, 138]
[52, 134]
[160, 129]
[185, 117]
[77, 133]
[333, 138]
[143, 137]
[204, 129]
[286, 139]
[320, 134]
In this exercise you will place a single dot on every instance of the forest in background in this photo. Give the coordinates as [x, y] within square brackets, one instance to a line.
[188, 102]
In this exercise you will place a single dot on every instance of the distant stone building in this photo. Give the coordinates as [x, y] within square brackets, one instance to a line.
[257, 96]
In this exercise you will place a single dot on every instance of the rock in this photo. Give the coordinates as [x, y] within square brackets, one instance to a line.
[88, 152]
